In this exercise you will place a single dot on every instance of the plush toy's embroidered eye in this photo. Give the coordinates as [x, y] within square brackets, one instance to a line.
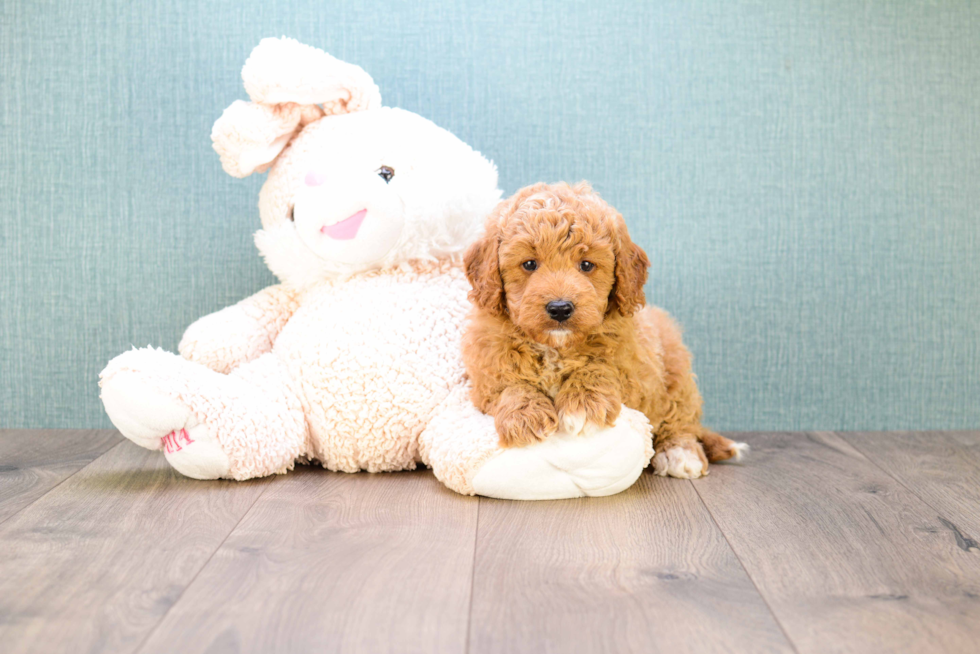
[586, 266]
[290, 215]
[386, 173]
[530, 265]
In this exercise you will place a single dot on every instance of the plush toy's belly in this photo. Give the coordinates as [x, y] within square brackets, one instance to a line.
[374, 356]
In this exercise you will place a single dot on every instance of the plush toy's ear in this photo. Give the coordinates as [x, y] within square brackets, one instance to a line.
[631, 273]
[483, 271]
[290, 85]
[285, 70]
[248, 136]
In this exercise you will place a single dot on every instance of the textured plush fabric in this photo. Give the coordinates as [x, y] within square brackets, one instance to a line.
[805, 176]
[255, 413]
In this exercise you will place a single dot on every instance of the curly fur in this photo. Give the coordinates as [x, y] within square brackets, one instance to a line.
[533, 373]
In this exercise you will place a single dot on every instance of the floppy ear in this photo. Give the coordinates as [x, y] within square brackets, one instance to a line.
[627, 293]
[248, 136]
[291, 85]
[483, 271]
[285, 70]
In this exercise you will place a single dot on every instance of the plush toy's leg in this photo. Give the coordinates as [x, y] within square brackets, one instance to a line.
[246, 424]
[461, 446]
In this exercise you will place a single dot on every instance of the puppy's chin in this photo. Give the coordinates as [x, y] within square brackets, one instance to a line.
[555, 337]
[559, 338]
[559, 335]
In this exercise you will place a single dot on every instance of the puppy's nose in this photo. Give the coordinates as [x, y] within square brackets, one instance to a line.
[560, 310]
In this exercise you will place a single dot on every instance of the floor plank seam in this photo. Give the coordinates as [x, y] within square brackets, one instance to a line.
[956, 531]
[731, 547]
[45, 494]
[201, 569]
[476, 544]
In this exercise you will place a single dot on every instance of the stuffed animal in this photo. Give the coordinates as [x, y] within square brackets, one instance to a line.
[353, 360]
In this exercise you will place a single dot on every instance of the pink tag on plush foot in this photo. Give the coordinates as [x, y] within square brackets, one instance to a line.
[171, 442]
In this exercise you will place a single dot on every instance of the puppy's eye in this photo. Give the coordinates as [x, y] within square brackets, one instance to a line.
[530, 265]
[290, 215]
[586, 266]
[386, 173]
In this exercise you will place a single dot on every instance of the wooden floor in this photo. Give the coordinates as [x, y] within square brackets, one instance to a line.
[820, 542]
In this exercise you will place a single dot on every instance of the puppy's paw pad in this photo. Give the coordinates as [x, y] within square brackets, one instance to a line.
[528, 427]
[679, 462]
[586, 413]
[572, 422]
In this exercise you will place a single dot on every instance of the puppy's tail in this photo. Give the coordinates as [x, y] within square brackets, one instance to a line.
[718, 448]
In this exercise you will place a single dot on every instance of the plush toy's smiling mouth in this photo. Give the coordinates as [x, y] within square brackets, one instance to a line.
[347, 228]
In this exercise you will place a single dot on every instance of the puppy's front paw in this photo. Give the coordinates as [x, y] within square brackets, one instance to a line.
[683, 461]
[531, 423]
[585, 412]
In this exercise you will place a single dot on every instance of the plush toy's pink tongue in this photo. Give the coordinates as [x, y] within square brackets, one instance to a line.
[347, 228]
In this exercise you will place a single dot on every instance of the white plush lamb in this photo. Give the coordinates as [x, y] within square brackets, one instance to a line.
[354, 360]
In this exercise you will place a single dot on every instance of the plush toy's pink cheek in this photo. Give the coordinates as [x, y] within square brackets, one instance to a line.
[313, 178]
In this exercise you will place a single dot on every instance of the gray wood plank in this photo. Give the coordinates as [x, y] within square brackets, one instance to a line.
[970, 439]
[643, 571]
[334, 562]
[34, 461]
[848, 559]
[95, 563]
[942, 468]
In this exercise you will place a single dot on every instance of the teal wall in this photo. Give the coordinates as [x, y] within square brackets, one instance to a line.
[805, 176]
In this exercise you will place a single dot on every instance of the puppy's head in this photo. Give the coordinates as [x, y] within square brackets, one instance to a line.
[557, 260]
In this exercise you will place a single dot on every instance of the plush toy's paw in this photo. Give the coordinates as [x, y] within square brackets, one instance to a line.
[566, 465]
[224, 340]
[139, 408]
[586, 412]
[684, 461]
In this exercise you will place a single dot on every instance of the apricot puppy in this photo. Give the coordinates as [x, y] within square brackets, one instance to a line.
[559, 335]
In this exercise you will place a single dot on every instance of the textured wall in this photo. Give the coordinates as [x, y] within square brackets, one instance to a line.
[804, 175]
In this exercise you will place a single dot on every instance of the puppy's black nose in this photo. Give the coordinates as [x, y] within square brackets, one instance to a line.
[560, 310]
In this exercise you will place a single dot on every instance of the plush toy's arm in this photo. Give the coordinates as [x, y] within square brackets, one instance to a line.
[237, 334]
[460, 444]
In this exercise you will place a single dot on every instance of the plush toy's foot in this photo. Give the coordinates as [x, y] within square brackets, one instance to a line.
[462, 448]
[195, 452]
[152, 419]
[209, 426]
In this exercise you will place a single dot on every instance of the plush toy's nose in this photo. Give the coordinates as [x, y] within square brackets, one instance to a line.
[313, 178]
[560, 310]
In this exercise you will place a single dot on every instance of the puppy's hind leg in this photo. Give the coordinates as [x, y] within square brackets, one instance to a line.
[678, 439]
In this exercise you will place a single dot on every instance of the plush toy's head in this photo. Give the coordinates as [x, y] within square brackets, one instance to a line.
[352, 185]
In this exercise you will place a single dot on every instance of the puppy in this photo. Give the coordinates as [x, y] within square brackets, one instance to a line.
[559, 335]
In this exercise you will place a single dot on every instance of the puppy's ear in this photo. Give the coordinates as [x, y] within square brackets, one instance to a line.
[631, 273]
[483, 271]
